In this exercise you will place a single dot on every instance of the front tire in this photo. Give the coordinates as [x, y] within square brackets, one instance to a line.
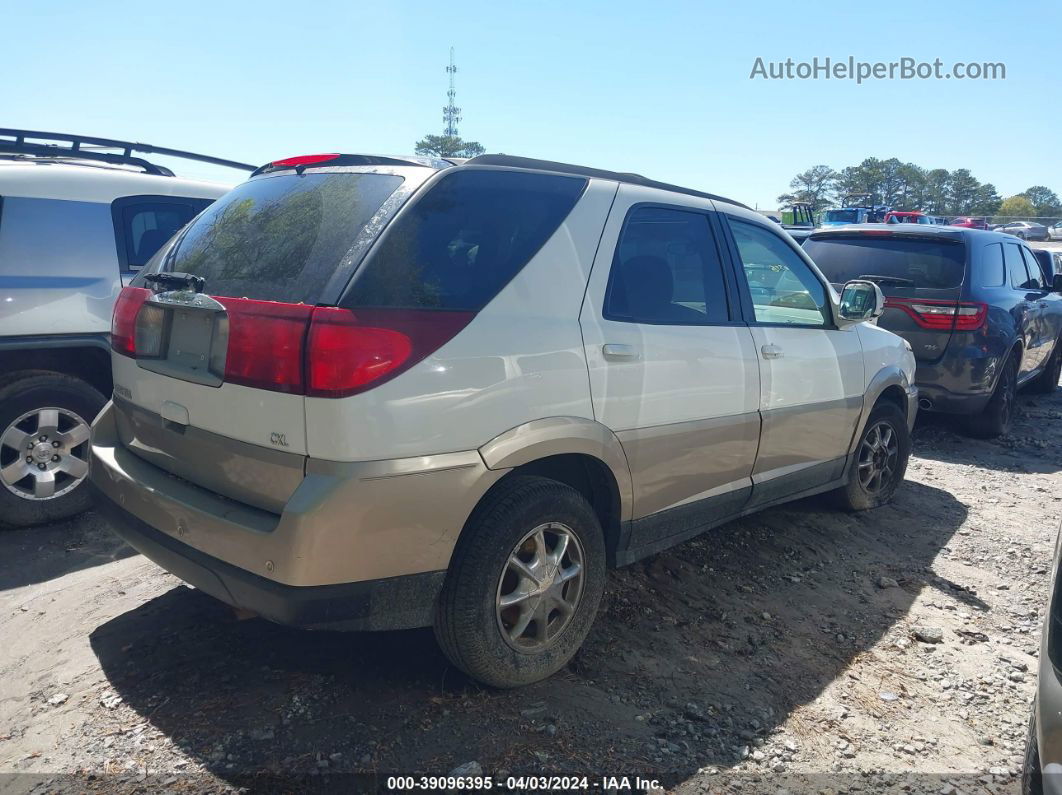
[44, 447]
[524, 584]
[994, 420]
[880, 460]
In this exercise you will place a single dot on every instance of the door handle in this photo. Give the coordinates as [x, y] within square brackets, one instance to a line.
[1043, 305]
[617, 352]
[771, 351]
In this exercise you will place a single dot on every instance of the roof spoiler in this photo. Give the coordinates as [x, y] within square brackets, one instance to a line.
[14, 141]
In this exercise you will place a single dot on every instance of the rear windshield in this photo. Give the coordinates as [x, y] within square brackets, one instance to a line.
[847, 216]
[464, 240]
[281, 238]
[918, 263]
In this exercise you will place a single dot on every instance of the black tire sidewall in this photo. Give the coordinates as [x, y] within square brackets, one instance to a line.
[482, 553]
[35, 391]
[857, 498]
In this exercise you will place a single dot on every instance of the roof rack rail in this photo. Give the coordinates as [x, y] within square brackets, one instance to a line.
[513, 161]
[72, 146]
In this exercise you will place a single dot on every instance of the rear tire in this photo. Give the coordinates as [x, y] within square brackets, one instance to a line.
[497, 622]
[1047, 381]
[1032, 778]
[994, 420]
[880, 460]
[27, 446]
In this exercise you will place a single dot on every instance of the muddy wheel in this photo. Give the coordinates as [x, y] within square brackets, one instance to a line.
[44, 447]
[880, 460]
[995, 419]
[524, 584]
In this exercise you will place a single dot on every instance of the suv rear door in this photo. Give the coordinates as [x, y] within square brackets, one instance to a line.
[1025, 309]
[672, 367]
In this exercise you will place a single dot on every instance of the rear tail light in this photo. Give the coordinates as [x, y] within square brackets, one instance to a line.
[123, 321]
[326, 351]
[942, 315]
[298, 348]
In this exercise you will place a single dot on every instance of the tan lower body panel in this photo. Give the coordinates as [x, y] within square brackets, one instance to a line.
[345, 522]
[799, 436]
[688, 461]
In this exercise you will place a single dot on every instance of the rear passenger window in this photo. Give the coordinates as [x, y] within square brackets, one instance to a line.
[143, 224]
[783, 288]
[464, 240]
[993, 272]
[666, 270]
[1019, 277]
[1036, 281]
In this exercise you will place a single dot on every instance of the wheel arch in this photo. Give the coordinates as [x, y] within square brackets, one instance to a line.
[85, 358]
[576, 451]
[888, 384]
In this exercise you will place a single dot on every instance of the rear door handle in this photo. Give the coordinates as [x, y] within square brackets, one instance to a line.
[618, 352]
[771, 351]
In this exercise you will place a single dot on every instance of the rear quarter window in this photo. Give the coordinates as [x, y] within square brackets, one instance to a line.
[993, 273]
[461, 242]
[935, 264]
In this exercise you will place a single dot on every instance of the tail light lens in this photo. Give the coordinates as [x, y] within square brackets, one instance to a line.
[266, 343]
[326, 351]
[349, 352]
[123, 321]
[942, 315]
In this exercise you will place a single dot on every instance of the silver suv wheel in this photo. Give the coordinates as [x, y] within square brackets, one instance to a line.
[540, 587]
[50, 447]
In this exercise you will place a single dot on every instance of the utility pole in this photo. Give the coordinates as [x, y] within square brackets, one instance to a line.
[451, 113]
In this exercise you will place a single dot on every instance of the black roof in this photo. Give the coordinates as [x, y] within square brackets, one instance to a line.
[512, 161]
[903, 230]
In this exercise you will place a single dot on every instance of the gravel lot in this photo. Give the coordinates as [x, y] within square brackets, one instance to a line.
[778, 651]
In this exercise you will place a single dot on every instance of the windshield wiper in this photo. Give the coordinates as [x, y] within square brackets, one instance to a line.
[899, 281]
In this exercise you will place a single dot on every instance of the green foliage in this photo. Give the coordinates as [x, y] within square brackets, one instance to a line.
[1017, 206]
[905, 186]
[1045, 201]
[447, 146]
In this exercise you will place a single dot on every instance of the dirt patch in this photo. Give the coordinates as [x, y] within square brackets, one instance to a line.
[780, 650]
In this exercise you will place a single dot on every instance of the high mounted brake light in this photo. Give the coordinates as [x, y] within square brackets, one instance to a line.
[942, 315]
[304, 160]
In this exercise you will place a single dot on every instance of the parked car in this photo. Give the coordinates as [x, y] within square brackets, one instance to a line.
[1042, 768]
[907, 217]
[969, 222]
[1026, 230]
[1054, 232]
[1050, 263]
[75, 224]
[375, 393]
[974, 305]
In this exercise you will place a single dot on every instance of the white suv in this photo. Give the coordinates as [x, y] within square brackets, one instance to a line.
[78, 218]
[373, 393]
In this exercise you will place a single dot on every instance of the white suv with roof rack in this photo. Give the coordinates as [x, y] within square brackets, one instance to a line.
[79, 217]
[373, 393]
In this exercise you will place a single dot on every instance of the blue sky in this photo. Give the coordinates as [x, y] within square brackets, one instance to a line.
[662, 89]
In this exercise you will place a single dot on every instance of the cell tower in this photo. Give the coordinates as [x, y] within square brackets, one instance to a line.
[451, 113]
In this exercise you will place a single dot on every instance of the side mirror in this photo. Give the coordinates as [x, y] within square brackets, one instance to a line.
[861, 300]
[1056, 283]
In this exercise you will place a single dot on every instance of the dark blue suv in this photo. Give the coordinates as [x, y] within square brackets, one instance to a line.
[975, 306]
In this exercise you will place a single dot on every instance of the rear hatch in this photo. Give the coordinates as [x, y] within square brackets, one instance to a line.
[211, 373]
[921, 276]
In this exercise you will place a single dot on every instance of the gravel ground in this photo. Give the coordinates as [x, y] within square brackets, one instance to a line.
[798, 649]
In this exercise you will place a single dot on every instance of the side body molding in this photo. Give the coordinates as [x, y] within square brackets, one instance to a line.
[558, 436]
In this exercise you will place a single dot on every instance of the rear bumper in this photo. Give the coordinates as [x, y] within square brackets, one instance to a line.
[947, 402]
[963, 380]
[392, 603]
[340, 552]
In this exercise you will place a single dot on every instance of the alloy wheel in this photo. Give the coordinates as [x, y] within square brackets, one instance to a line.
[878, 453]
[44, 453]
[540, 587]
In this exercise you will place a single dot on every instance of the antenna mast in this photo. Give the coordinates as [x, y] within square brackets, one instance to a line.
[451, 113]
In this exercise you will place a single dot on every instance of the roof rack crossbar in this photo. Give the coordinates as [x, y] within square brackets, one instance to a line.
[74, 147]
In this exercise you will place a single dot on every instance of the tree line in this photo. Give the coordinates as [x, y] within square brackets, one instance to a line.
[906, 186]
